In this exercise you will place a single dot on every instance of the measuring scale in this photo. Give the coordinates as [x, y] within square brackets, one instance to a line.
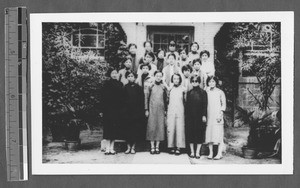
[16, 93]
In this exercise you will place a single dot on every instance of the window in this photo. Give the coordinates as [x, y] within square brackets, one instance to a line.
[160, 36]
[89, 37]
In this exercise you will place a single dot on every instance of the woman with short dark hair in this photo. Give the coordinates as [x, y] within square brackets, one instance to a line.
[112, 106]
[132, 52]
[195, 116]
[216, 105]
[193, 54]
[207, 66]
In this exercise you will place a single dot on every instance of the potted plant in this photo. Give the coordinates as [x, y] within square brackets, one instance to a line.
[259, 131]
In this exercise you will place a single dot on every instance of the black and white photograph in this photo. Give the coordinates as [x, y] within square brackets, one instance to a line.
[159, 93]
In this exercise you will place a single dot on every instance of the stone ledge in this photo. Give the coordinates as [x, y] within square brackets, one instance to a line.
[252, 80]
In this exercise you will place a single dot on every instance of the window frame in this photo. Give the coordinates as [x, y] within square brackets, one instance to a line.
[97, 34]
[189, 30]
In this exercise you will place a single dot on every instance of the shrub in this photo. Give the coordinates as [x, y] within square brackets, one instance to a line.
[72, 79]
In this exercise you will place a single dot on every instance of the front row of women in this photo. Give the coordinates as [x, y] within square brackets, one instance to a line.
[192, 117]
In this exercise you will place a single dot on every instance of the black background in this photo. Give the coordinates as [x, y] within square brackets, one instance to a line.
[61, 6]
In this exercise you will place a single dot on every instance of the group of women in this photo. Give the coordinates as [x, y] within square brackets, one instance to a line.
[168, 96]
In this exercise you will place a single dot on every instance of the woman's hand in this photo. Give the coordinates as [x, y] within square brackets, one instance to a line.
[146, 113]
[220, 117]
[204, 119]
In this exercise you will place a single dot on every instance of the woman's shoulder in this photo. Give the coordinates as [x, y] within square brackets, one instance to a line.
[120, 84]
[190, 91]
[219, 90]
[150, 77]
[216, 90]
[181, 87]
[153, 65]
[202, 90]
[122, 70]
[137, 86]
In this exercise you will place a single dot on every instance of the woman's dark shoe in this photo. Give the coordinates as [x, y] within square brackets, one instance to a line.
[157, 150]
[132, 151]
[172, 151]
[127, 151]
[177, 152]
[192, 155]
[197, 156]
[218, 157]
[152, 151]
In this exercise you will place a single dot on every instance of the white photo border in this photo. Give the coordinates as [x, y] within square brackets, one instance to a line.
[287, 94]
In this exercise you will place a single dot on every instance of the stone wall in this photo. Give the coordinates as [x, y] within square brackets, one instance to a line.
[247, 101]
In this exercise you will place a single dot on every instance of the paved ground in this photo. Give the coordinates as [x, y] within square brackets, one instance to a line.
[90, 152]
[96, 156]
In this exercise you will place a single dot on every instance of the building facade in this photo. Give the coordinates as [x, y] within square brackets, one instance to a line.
[160, 34]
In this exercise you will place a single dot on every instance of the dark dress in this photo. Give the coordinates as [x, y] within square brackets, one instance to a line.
[135, 63]
[195, 109]
[134, 113]
[112, 109]
[160, 64]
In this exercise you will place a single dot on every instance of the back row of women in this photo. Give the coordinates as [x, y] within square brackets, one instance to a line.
[174, 94]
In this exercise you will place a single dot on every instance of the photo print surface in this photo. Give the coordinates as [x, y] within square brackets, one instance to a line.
[185, 94]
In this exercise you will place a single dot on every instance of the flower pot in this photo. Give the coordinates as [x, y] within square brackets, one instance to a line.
[72, 131]
[249, 153]
[57, 132]
[72, 145]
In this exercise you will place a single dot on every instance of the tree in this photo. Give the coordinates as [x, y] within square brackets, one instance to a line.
[72, 79]
[264, 62]
[227, 68]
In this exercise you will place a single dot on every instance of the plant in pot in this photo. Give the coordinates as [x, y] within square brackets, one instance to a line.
[256, 140]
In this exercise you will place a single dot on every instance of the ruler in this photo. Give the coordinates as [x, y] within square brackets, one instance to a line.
[16, 93]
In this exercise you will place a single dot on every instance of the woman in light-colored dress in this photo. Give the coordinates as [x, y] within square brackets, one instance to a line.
[175, 116]
[186, 71]
[184, 60]
[207, 66]
[193, 54]
[148, 60]
[215, 123]
[170, 69]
